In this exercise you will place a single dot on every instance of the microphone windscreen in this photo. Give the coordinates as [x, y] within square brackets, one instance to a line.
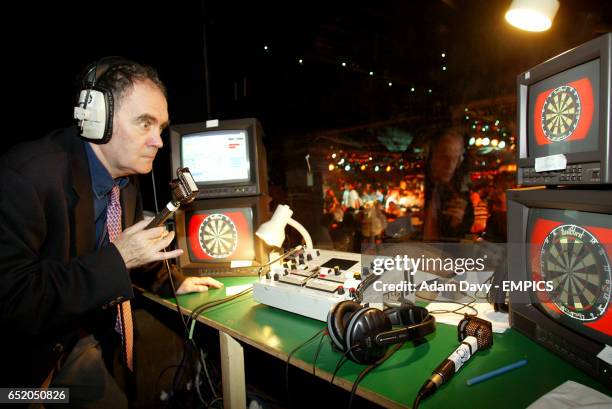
[478, 328]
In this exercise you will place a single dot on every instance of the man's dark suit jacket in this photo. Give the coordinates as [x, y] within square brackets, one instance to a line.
[54, 284]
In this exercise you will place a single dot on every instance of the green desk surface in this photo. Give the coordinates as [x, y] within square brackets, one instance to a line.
[396, 382]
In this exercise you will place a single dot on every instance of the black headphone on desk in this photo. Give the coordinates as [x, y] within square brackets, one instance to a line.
[363, 334]
[95, 106]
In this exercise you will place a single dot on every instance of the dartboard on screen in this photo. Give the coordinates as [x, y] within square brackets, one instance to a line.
[576, 263]
[561, 113]
[218, 236]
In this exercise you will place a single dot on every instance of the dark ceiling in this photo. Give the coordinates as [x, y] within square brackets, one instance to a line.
[399, 41]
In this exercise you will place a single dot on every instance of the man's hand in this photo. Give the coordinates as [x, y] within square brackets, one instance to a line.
[455, 210]
[138, 246]
[197, 284]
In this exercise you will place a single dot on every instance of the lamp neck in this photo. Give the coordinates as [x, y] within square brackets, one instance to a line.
[303, 232]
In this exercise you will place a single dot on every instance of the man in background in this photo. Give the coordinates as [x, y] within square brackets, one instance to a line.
[448, 212]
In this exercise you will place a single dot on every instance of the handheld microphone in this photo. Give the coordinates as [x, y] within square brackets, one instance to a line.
[184, 190]
[475, 334]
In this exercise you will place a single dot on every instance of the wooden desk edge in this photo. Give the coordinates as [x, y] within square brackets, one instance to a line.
[365, 393]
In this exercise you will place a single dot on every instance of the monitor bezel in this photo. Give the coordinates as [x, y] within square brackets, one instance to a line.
[258, 180]
[520, 201]
[261, 213]
[598, 48]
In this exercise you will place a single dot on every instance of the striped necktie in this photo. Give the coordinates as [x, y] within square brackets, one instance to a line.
[124, 310]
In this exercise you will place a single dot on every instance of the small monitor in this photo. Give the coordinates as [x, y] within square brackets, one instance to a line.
[218, 235]
[563, 238]
[226, 158]
[564, 118]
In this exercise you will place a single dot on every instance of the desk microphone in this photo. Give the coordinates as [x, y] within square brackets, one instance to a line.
[475, 334]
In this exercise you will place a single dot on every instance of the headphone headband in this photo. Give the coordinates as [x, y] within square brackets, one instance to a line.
[409, 332]
[97, 70]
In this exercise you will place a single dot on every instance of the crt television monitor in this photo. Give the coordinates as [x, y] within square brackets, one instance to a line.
[226, 158]
[218, 235]
[563, 118]
[563, 237]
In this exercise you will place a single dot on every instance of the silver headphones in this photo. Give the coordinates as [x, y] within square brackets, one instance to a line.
[95, 106]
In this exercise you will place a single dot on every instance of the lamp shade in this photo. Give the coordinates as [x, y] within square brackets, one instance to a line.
[273, 231]
[532, 15]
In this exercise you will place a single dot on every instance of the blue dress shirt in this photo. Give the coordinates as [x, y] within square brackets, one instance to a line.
[102, 183]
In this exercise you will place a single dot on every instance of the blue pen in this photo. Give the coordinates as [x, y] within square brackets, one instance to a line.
[496, 372]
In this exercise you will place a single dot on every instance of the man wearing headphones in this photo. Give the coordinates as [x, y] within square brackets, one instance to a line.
[448, 213]
[72, 238]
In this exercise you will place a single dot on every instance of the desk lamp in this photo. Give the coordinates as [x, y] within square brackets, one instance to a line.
[273, 231]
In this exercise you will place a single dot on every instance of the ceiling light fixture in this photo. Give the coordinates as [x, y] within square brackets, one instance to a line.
[532, 15]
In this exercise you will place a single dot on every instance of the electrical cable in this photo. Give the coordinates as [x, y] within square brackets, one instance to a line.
[161, 373]
[455, 311]
[219, 399]
[289, 359]
[197, 387]
[198, 310]
[316, 356]
[167, 263]
[211, 304]
[202, 363]
[339, 364]
[179, 372]
[370, 368]
[203, 360]
[417, 401]
[285, 254]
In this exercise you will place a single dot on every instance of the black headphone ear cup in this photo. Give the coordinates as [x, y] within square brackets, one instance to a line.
[360, 332]
[337, 318]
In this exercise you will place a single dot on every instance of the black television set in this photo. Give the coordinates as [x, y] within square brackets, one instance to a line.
[563, 237]
[226, 158]
[564, 118]
[218, 236]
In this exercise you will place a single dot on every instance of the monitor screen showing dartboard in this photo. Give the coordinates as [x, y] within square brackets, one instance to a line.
[220, 234]
[216, 235]
[564, 118]
[571, 250]
[560, 264]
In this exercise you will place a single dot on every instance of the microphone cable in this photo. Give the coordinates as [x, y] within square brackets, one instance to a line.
[189, 326]
[166, 262]
[342, 361]
[187, 341]
[303, 344]
[317, 352]
[370, 368]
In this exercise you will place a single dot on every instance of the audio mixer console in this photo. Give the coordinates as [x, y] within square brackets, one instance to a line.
[309, 283]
